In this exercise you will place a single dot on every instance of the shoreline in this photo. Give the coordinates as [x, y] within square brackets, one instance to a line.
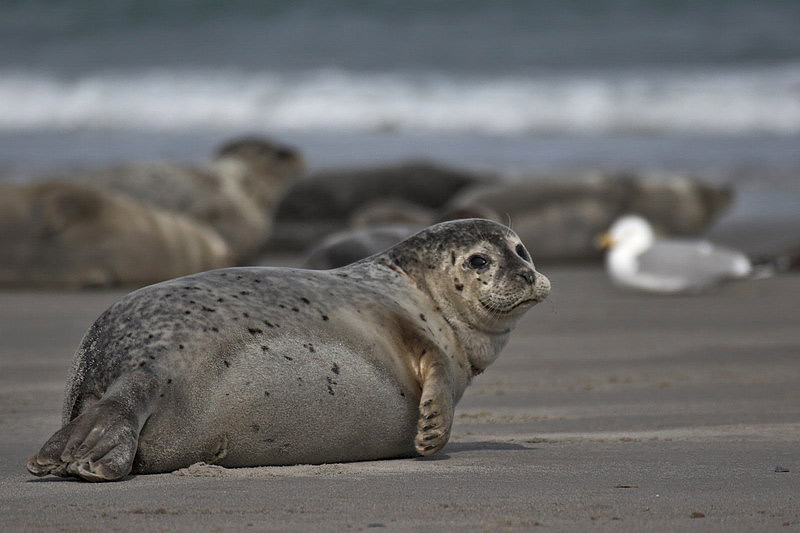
[771, 159]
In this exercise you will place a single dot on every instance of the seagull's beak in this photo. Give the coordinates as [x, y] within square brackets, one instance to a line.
[604, 241]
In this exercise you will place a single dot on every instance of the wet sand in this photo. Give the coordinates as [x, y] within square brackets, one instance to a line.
[607, 410]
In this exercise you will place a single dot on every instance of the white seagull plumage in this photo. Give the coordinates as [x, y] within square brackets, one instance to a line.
[637, 259]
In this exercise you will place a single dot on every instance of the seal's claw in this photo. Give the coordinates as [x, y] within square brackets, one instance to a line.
[38, 468]
[430, 444]
[431, 437]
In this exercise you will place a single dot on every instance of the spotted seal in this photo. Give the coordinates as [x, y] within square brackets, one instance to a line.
[322, 202]
[62, 234]
[348, 246]
[234, 193]
[271, 366]
[559, 216]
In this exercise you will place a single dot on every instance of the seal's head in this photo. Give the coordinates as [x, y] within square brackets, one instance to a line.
[263, 155]
[259, 166]
[477, 271]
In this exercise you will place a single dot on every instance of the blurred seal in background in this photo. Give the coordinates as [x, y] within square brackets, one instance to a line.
[559, 217]
[63, 234]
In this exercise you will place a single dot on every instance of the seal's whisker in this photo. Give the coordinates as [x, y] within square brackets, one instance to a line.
[509, 227]
[478, 231]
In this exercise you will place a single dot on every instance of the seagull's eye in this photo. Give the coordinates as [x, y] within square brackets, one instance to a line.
[477, 261]
[522, 252]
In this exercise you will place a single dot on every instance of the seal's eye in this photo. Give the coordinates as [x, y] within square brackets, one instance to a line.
[477, 261]
[522, 252]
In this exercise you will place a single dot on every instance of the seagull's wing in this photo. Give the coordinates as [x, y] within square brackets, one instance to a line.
[697, 263]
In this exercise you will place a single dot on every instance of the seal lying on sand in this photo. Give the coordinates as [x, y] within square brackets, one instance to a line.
[348, 246]
[322, 203]
[560, 217]
[75, 235]
[271, 366]
[234, 194]
[345, 247]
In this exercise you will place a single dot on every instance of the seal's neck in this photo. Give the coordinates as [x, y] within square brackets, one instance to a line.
[255, 184]
[475, 345]
[480, 346]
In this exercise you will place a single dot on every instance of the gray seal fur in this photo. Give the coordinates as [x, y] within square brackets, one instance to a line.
[348, 246]
[559, 217]
[60, 234]
[234, 194]
[320, 203]
[272, 366]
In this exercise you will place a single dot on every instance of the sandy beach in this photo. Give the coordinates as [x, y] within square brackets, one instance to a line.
[607, 410]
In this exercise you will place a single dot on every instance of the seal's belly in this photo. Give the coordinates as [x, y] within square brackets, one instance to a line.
[320, 404]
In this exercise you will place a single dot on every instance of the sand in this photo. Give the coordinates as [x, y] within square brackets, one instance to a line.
[607, 410]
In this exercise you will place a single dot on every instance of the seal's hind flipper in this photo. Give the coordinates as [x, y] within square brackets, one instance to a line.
[98, 445]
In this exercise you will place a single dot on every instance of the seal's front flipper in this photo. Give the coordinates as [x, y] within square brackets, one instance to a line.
[101, 442]
[436, 407]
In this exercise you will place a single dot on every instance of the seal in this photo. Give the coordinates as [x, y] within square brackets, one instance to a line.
[234, 194]
[63, 234]
[322, 202]
[348, 246]
[560, 216]
[258, 366]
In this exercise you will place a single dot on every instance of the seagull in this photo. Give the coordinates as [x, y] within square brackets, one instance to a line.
[637, 259]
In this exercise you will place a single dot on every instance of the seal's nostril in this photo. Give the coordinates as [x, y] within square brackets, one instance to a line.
[528, 275]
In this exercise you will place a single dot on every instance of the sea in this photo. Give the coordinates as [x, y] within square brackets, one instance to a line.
[519, 87]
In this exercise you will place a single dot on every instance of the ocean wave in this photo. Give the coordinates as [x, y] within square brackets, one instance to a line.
[734, 101]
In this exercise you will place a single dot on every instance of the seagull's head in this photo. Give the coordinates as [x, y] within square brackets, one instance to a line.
[630, 231]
